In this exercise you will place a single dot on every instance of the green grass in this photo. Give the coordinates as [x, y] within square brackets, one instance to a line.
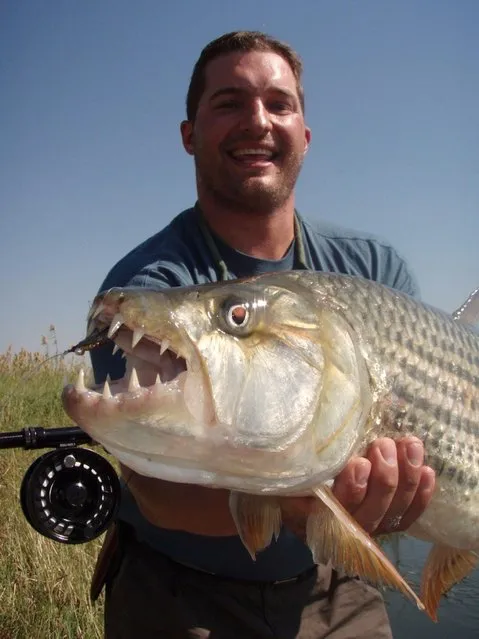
[44, 585]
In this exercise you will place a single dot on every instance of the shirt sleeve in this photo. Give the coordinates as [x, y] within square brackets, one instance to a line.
[406, 281]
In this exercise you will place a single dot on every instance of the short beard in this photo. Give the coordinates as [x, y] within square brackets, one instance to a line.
[255, 198]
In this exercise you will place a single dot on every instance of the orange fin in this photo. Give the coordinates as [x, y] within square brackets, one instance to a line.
[444, 567]
[333, 534]
[257, 520]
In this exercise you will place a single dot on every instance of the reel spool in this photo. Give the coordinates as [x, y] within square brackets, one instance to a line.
[70, 495]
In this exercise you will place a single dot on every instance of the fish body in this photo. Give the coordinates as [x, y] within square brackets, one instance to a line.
[267, 386]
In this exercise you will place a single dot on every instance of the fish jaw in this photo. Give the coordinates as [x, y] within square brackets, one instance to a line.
[163, 396]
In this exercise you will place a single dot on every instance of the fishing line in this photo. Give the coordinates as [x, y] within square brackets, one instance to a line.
[300, 259]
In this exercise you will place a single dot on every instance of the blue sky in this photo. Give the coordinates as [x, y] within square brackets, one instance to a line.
[92, 93]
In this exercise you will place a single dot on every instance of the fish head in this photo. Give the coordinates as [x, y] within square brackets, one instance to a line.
[247, 378]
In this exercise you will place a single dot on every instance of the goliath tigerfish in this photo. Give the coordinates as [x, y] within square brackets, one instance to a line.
[267, 386]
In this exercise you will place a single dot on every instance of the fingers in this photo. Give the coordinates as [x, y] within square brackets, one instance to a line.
[388, 490]
[351, 485]
[421, 499]
[382, 485]
[410, 458]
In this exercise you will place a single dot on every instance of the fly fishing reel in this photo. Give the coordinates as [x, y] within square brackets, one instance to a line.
[70, 494]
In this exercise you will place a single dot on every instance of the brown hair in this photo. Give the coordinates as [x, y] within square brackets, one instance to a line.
[243, 41]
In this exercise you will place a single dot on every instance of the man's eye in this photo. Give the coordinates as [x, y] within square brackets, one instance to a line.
[280, 107]
[228, 104]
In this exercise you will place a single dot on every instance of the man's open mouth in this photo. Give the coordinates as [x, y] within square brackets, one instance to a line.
[253, 156]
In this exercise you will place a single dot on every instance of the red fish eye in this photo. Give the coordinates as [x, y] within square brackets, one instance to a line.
[238, 315]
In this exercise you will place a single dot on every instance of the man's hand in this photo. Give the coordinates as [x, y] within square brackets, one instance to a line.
[388, 489]
[385, 491]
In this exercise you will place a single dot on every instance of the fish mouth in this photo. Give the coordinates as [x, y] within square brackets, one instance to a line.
[163, 376]
[151, 365]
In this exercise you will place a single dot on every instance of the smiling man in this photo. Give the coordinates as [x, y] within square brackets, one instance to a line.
[174, 565]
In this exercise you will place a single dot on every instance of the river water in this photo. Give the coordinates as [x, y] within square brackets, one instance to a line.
[458, 616]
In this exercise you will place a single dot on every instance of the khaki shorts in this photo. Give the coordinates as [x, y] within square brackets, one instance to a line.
[149, 596]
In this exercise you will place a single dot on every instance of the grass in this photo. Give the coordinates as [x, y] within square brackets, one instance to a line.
[44, 585]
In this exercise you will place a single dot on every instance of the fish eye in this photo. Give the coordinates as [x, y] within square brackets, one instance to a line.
[236, 316]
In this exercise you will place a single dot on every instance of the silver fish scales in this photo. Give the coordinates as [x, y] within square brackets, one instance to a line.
[425, 367]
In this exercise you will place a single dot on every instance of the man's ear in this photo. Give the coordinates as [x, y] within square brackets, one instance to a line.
[187, 136]
[307, 139]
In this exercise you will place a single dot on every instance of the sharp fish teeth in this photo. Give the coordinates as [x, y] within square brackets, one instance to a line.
[80, 383]
[116, 348]
[165, 344]
[136, 337]
[106, 391]
[134, 384]
[116, 322]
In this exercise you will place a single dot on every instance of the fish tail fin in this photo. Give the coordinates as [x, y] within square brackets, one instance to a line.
[332, 534]
[445, 566]
[257, 520]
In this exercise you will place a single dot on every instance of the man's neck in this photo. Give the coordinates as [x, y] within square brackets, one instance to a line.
[265, 235]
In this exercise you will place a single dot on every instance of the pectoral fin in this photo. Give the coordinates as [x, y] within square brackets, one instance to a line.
[257, 519]
[333, 534]
[444, 567]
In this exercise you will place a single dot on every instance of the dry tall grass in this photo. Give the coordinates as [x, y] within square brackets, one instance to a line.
[44, 585]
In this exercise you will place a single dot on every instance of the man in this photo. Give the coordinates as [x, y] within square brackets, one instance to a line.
[179, 569]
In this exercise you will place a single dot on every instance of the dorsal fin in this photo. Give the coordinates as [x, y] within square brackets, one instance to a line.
[468, 313]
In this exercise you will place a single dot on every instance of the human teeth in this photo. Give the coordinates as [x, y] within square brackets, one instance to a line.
[116, 348]
[136, 337]
[165, 344]
[116, 322]
[80, 383]
[266, 152]
[106, 391]
[134, 383]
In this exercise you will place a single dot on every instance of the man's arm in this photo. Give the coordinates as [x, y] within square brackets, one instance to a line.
[186, 507]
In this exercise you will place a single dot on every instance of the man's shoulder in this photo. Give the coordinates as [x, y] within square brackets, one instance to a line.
[339, 248]
[326, 231]
[167, 249]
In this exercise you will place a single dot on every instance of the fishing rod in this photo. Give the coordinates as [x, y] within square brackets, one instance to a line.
[69, 494]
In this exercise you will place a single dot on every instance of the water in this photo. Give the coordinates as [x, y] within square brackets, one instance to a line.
[458, 616]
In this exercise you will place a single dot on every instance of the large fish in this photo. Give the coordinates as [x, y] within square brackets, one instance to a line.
[267, 386]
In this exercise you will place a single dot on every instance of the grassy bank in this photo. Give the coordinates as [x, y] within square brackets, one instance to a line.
[44, 585]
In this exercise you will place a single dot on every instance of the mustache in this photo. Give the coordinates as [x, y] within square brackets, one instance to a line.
[266, 142]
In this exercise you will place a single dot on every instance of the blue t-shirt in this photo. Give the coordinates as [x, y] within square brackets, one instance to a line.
[181, 254]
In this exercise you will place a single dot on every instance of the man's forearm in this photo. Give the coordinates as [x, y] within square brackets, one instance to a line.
[194, 509]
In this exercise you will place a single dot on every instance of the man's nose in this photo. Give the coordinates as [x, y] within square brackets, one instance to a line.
[257, 118]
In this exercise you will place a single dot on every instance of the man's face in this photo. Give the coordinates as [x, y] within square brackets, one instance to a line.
[249, 136]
